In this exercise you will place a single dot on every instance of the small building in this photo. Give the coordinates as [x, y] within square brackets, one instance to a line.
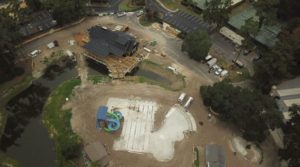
[286, 94]
[200, 4]
[104, 42]
[215, 156]
[266, 36]
[97, 152]
[37, 22]
[234, 37]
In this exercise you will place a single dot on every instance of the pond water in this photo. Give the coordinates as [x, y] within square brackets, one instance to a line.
[25, 137]
[152, 75]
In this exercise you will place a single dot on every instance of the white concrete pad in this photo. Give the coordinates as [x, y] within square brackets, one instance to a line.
[138, 136]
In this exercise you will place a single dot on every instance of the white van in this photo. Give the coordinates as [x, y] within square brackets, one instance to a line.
[208, 57]
[188, 102]
[181, 97]
[35, 53]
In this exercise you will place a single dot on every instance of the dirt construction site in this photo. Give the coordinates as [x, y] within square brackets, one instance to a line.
[156, 130]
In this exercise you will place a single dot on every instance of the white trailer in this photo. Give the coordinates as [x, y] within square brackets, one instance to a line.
[188, 102]
[181, 97]
[211, 62]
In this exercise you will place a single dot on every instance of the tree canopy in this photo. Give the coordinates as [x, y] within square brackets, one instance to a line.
[266, 10]
[291, 150]
[279, 63]
[34, 5]
[289, 9]
[216, 11]
[250, 28]
[66, 11]
[197, 44]
[249, 111]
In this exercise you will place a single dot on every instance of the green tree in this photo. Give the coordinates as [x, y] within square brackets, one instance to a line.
[250, 28]
[138, 2]
[289, 9]
[266, 10]
[66, 11]
[197, 44]
[216, 11]
[291, 150]
[34, 5]
[249, 111]
[95, 164]
[279, 63]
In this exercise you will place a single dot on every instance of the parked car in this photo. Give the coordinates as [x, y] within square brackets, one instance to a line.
[121, 14]
[208, 57]
[218, 71]
[224, 73]
[212, 62]
[35, 53]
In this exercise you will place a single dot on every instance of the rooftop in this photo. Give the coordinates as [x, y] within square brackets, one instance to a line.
[95, 151]
[215, 155]
[37, 22]
[201, 3]
[289, 92]
[105, 42]
[267, 34]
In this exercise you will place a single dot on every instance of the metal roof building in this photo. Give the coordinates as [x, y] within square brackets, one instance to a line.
[96, 152]
[289, 94]
[104, 42]
[267, 34]
[201, 3]
[215, 156]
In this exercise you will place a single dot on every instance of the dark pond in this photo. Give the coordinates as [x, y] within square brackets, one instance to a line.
[25, 137]
[151, 75]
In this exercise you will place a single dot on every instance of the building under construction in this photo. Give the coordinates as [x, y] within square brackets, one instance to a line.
[115, 49]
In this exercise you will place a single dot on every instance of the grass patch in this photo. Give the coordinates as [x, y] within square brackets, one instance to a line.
[54, 58]
[128, 6]
[6, 161]
[176, 4]
[95, 79]
[144, 21]
[170, 4]
[196, 161]
[57, 120]
[235, 74]
[238, 75]
[10, 93]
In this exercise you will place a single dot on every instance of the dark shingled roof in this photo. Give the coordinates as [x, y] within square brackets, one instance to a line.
[39, 21]
[215, 155]
[104, 42]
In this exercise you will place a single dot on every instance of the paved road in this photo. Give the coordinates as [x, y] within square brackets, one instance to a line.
[219, 42]
[113, 6]
[171, 45]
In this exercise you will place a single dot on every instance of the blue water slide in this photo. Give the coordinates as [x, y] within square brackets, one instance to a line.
[113, 124]
[119, 114]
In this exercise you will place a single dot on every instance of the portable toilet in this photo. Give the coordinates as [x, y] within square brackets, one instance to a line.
[181, 97]
[188, 102]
